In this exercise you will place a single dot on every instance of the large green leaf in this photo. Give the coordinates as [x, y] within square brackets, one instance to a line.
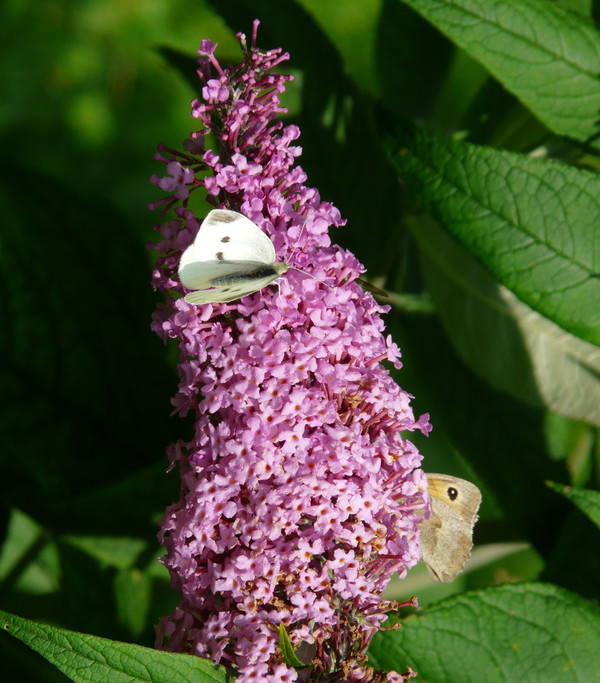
[515, 632]
[89, 659]
[587, 501]
[532, 223]
[504, 341]
[546, 55]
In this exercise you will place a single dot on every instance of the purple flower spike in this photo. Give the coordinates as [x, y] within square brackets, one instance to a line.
[300, 497]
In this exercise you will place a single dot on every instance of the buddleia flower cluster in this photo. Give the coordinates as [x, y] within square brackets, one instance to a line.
[300, 493]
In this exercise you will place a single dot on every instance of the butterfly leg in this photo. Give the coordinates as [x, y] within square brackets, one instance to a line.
[279, 293]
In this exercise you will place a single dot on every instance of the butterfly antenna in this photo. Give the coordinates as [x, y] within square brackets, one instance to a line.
[299, 269]
[314, 277]
[297, 243]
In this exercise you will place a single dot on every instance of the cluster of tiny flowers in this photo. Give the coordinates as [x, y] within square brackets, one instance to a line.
[299, 495]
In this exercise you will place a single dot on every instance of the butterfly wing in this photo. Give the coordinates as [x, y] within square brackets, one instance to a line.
[241, 279]
[459, 494]
[446, 538]
[215, 296]
[228, 236]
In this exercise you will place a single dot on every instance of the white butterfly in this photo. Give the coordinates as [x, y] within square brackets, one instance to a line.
[231, 257]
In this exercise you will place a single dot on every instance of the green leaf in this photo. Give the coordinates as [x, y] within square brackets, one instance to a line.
[587, 501]
[512, 347]
[532, 223]
[110, 551]
[133, 593]
[29, 561]
[583, 7]
[285, 644]
[85, 658]
[516, 632]
[544, 54]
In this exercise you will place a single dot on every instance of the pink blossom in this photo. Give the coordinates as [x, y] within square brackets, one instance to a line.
[178, 180]
[300, 495]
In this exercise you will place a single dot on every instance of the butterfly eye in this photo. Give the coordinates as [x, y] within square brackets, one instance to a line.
[452, 493]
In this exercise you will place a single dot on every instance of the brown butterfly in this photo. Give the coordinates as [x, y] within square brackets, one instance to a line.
[447, 537]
